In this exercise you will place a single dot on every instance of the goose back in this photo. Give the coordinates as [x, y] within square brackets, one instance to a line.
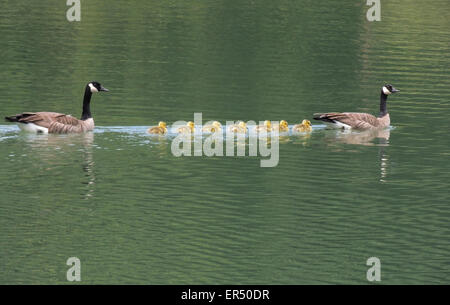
[55, 122]
[354, 119]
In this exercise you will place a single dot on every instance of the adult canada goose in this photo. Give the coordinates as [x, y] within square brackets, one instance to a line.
[240, 127]
[305, 126]
[160, 129]
[52, 122]
[189, 128]
[282, 127]
[214, 127]
[267, 126]
[362, 121]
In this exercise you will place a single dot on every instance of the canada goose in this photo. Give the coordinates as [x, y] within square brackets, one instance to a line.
[189, 128]
[282, 127]
[160, 129]
[347, 120]
[305, 126]
[240, 127]
[214, 127]
[52, 122]
[267, 126]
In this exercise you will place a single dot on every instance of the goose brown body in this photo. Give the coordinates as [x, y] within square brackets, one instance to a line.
[355, 120]
[53, 122]
[361, 121]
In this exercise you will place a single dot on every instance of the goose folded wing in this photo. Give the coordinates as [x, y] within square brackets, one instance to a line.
[45, 119]
[353, 119]
[67, 120]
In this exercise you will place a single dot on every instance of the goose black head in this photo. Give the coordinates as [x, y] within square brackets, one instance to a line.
[96, 87]
[389, 89]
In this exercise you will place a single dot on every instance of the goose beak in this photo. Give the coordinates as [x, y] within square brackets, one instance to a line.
[104, 89]
[395, 90]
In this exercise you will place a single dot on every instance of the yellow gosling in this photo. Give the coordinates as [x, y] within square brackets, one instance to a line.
[305, 126]
[282, 127]
[189, 128]
[214, 127]
[160, 129]
[241, 127]
[267, 126]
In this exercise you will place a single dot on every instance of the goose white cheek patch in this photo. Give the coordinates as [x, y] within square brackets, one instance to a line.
[386, 91]
[93, 89]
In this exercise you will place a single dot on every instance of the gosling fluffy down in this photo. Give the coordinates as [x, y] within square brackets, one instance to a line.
[160, 129]
[305, 126]
[189, 128]
[282, 127]
[240, 127]
[266, 126]
[214, 127]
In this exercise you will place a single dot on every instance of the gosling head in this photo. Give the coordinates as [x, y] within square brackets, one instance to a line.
[191, 125]
[284, 123]
[306, 123]
[268, 123]
[96, 87]
[162, 124]
[389, 89]
[216, 126]
[242, 124]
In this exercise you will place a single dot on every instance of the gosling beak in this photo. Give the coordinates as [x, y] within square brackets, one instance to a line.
[104, 89]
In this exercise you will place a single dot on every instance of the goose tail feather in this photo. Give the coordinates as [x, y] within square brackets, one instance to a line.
[322, 117]
[13, 118]
[19, 117]
[10, 119]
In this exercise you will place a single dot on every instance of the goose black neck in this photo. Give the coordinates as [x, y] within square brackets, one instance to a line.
[383, 106]
[87, 104]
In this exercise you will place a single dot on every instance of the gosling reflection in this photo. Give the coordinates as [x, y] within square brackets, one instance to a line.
[301, 138]
[161, 146]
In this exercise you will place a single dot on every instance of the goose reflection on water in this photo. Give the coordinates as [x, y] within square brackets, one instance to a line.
[366, 137]
[384, 162]
[376, 137]
[52, 150]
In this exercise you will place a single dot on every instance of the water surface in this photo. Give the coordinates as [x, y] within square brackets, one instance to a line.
[132, 212]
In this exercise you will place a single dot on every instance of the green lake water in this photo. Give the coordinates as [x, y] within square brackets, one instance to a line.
[133, 213]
